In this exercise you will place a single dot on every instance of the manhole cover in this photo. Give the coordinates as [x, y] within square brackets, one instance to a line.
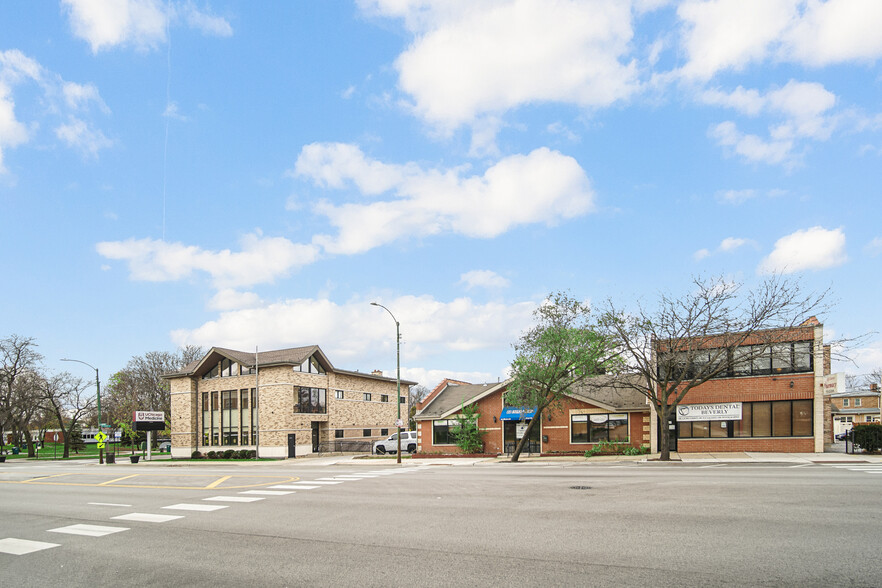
[580, 487]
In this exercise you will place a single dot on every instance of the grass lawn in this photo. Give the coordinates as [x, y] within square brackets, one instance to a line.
[54, 451]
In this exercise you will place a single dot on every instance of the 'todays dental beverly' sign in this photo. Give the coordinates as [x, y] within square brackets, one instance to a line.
[730, 411]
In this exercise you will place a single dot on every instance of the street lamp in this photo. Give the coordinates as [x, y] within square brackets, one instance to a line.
[98, 389]
[397, 374]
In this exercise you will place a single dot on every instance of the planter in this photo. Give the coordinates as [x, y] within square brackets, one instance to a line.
[110, 458]
[134, 458]
[2, 459]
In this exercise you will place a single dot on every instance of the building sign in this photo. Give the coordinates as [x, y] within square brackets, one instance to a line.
[517, 413]
[148, 421]
[730, 411]
[521, 430]
[143, 416]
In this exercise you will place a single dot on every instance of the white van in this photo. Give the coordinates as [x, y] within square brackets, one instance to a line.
[390, 444]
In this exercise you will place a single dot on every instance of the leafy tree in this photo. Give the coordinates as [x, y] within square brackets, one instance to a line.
[466, 433]
[868, 437]
[563, 350]
[688, 340]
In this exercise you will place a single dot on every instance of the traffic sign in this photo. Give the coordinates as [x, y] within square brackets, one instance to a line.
[55, 437]
[100, 445]
[101, 437]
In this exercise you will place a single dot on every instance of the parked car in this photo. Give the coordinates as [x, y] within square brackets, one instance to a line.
[165, 447]
[843, 435]
[390, 444]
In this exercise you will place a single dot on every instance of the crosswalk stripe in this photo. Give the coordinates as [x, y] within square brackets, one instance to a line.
[88, 530]
[147, 517]
[234, 498]
[196, 507]
[267, 492]
[293, 487]
[14, 546]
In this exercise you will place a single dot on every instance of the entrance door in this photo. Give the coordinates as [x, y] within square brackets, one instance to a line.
[292, 445]
[511, 438]
[315, 437]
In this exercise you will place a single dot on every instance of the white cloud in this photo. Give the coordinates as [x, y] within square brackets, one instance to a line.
[261, 260]
[800, 107]
[727, 245]
[432, 377]
[736, 196]
[206, 23]
[105, 24]
[731, 34]
[471, 59]
[60, 99]
[752, 147]
[732, 243]
[79, 96]
[230, 299]
[809, 249]
[80, 135]
[867, 359]
[874, 247]
[483, 279]
[543, 186]
[356, 329]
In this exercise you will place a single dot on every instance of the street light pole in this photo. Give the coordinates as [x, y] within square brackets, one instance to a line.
[98, 392]
[397, 374]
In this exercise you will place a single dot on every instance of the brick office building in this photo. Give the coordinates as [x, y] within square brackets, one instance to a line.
[587, 415]
[281, 403]
[772, 402]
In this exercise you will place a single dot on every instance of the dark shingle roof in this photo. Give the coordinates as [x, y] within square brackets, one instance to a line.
[605, 391]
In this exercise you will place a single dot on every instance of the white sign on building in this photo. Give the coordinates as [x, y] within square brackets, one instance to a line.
[728, 411]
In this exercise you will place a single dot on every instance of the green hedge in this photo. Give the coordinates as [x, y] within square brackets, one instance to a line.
[868, 437]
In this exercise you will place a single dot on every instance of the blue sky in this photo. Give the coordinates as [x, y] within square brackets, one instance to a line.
[255, 174]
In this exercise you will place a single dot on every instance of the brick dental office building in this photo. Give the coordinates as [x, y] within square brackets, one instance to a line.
[283, 403]
[774, 402]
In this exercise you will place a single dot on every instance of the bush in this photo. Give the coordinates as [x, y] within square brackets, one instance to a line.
[611, 447]
[242, 454]
[252, 454]
[868, 437]
[212, 455]
[228, 454]
[196, 455]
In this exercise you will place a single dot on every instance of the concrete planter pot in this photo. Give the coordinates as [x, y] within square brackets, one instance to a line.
[134, 458]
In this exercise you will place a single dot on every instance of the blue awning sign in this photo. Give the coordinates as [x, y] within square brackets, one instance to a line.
[517, 413]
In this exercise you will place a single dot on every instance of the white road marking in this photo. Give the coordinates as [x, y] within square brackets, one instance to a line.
[266, 492]
[234, 498]
[108, 504]
[319, 482]
[88, 530]
[340, 479]
[293, 487]
[14, 546]
[147, 517]
[197, 507]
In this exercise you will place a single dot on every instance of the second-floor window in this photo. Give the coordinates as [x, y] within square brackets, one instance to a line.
[845, 402]
[312, 400]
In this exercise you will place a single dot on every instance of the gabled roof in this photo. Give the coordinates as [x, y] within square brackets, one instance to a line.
[607, 392]
[290, 356]
[454, 396]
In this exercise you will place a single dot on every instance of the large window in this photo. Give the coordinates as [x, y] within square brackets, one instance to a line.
[310, 366]
[782, 418]
[312, 400]
[441, 432]
[229, 417]
[593, 428]
[748, 360]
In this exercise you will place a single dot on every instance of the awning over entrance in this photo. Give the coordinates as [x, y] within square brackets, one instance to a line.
[516, 413]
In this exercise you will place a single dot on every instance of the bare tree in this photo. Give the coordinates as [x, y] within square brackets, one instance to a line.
[19, 396]
[690, 339]
[70, 401]
[415, 396]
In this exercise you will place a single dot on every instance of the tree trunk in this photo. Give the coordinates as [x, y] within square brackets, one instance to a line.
[664, 434]
[526, 437]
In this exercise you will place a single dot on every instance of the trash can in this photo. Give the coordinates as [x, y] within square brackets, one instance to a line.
[15, 451]
[111, 458]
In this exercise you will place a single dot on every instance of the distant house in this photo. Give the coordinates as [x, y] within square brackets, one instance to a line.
[282, 403]
[588, 415]
[854, 407]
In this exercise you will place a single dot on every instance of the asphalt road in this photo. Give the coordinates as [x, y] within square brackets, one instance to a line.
[379, 524]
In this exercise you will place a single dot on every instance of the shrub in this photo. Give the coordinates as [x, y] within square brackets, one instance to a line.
[228, 454]
[242, 454]
[610, 447]
[868, 437]
[212, 455]
[196, 455]
[466, 433]
[252, 454]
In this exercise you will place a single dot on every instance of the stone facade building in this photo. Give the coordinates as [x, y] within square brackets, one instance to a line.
[282, 403]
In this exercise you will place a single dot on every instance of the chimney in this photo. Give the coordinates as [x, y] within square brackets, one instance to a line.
[874, 387]
[377, 372]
